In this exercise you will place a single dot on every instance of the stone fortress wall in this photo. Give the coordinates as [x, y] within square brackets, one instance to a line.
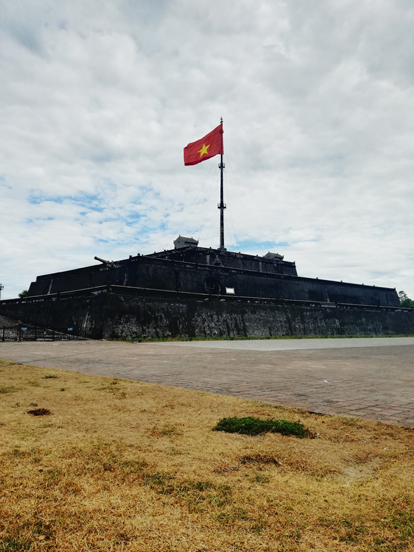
[122, 312]
[199, 292]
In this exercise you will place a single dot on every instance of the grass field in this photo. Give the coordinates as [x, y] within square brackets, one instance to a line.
[122, 465]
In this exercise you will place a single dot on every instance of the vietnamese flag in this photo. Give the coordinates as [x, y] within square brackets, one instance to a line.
[209, 146]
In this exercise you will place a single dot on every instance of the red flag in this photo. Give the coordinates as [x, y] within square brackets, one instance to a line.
[209, 146]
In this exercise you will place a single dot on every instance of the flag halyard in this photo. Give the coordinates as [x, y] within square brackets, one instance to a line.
[205, 148]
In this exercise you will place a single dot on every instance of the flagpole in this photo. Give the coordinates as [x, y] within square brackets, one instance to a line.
[221, 205]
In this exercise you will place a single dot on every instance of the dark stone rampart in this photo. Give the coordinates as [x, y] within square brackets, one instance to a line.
[126, 312]
[82, 311]
[170, 275]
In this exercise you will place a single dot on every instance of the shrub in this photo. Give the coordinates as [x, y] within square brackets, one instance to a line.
[254, 426]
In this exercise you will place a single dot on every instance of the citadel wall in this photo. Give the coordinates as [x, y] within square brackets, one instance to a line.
[122, 312]
[169, 275]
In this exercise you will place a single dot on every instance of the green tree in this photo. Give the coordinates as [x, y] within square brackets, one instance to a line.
[402, 295]
[405, 300]
[23, 293]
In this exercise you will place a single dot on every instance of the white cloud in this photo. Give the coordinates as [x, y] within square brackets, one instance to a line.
[99, 98]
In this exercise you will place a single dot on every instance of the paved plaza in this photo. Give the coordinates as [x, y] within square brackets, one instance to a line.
[371, 378]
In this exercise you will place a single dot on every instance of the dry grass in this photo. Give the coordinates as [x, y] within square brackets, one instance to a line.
[122, 465]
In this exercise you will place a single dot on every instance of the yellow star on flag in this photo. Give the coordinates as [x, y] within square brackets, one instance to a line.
[204, 150]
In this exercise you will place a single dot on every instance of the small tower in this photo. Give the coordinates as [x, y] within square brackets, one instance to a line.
[1, 287]
[181, 241]
[273, 256]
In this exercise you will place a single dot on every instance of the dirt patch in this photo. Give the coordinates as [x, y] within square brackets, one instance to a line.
[40, 412]
[260, 459]
[358, 472]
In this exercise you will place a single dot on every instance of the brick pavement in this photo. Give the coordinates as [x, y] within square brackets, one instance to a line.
[372, 379]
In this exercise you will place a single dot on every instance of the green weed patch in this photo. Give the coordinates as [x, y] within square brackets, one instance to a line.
[254, 426]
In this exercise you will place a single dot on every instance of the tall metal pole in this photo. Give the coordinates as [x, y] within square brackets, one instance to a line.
[221, 205]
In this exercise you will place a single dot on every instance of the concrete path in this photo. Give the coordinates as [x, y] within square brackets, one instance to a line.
[298, 344]
[369, 378]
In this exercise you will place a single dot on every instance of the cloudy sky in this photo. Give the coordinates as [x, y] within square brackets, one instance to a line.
[99, 97]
